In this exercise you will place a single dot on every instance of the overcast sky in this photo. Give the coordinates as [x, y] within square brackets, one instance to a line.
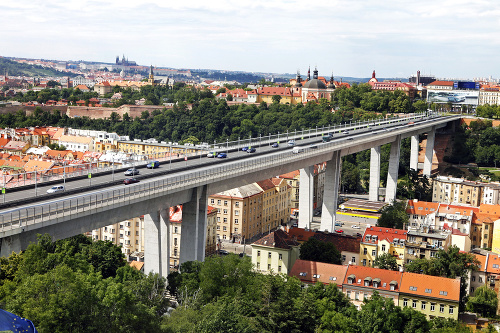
[446, 38]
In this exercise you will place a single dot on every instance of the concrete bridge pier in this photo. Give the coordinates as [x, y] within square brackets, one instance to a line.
[392, 174]
[429, 151]
[331, 192]
[414, 152]
[374, 174]
[157, 242]
[306, 197]
[194, 226]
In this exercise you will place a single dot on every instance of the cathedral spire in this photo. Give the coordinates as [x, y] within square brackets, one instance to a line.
[309, 73]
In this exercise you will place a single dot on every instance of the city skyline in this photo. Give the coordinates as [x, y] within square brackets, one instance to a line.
[448, 39]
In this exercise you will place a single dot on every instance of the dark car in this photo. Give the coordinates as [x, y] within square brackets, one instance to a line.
[223, 252]
[129, 181]
[275, 145]
[244, 149]
[153, 165]
[222, 155]
[313, 146]
[131, 172]
[251, 150]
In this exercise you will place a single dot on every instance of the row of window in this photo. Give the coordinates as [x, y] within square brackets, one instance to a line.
[423, 306]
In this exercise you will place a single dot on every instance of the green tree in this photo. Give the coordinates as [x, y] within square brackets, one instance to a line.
[394, 216]
[386, 261]
[276, 99]
[484, 302]
[316, 250]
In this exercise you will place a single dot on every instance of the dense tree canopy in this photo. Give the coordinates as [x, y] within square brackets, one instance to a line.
[484, 302]
[316, 250]
[394, 215]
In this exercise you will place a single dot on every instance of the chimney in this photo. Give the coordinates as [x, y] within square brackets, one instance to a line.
[418, 78]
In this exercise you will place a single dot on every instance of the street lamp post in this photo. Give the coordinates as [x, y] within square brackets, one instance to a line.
[269, 139]
[227, 146]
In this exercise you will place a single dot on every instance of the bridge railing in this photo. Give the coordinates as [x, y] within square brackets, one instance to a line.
[74, 206]
[74, 170]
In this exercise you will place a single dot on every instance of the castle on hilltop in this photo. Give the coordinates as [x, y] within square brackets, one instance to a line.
[125, 61]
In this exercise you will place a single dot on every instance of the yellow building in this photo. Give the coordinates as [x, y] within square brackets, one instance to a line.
[433, 296]
[275, 253]
[154, 150]
[239, 212]
[275, 203]
[378, 240]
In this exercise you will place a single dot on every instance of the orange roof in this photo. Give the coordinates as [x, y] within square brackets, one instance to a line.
[441, 83]
[36, 165]
[266, 184]
[57, 153]
[431, 286]
[312, 272]
[421, 207]
[3, 142]
[384, 234]
[457, 210]
[358, 274]
[277, 181]
[493, 210]
[137, 264]
[82, 87]
[290, 175]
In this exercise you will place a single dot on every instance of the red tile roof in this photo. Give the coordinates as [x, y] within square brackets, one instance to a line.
[384, 233]
[441, 83]
[431, 286]
[421, 207]
[277, 239]
[312, 272]
[358, 275]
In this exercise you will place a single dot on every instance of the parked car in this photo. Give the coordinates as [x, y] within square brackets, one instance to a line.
[338, 224]
[291, 142]
[339, 231]
[251, 150]
[54, 189]
[153, 165]
[131, 172]
[129, 181]
[275, 145]
[223, 252]
[244, 149]
[355, 226]
[222, 155]
[212, 154]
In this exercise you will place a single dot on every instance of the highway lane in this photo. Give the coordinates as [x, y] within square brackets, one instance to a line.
[175, 165]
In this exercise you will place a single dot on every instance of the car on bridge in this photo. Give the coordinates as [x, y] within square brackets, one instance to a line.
[54, 189]
[222, 155]
[153, 165]
[345, 132]
[212, 154]
[251, 150]
[275, 145]
[129, 181]
[244, 149]
[131, 172]
[291, 142]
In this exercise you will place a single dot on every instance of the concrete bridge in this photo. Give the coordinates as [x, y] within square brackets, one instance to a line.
[78, 213]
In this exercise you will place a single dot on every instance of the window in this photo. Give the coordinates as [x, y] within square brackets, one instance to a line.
[444, 293]
[412, 288]
[258, 253]
[374, 253]
[279, 268]
[423, 305]
[212, 201]
[176, 230]
[225, 211]
[236, 212]
[364, 262]
[218, 219]
[450, 311]
[414, 304]
[405, 302]
[236, 204]
[224, 228]
[225, 220]
[480, 279]
[268, 267]
[218, 202]
[383, 247]
[175, 241]
[433, 306]
[225, 202]
[269, 255]
[365, 251]
[353, 260]
[356, 296]
[280, 256]
[429, 291]
[348, 294]
[258, 265]
[236, 230]
[441, 308]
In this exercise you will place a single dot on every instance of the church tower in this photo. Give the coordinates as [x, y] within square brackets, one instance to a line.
[151, 78]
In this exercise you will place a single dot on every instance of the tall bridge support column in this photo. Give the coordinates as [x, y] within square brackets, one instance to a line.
[331, 192]
[194, 226]
[414, 152]
[429, 152]
[374, 174]
[156, 242]
[392, 174]
[306, 197]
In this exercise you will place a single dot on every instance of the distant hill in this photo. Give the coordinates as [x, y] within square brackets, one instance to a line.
[18, 69]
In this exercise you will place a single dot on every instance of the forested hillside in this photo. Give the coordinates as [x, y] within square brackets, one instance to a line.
[14, 68]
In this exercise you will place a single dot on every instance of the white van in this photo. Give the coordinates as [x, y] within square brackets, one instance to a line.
[297, 150]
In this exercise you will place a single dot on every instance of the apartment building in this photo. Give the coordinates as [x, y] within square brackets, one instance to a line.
[456, 191]
[431, 295]
[379, 240]
[239, 213]
[275, 253]
[128, 234]
[424, 244]
[487, 272]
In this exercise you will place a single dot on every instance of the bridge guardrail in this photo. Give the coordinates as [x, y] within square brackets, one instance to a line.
[22, 217]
